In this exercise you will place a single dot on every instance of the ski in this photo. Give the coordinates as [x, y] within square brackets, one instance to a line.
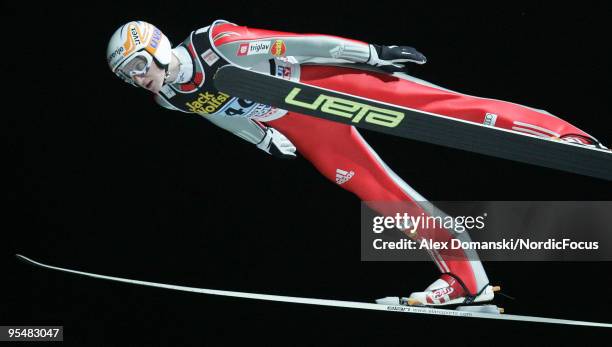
[413, 124]
[469, 312]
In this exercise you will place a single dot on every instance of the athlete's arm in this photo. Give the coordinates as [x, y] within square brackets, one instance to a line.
[265, 138]
[244, 128]
[247, 46]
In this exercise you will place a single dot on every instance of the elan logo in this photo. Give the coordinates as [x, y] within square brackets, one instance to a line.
[356, 111]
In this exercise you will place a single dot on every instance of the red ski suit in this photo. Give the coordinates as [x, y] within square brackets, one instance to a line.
[340, 153]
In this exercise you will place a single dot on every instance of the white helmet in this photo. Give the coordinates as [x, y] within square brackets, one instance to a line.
[134, 46]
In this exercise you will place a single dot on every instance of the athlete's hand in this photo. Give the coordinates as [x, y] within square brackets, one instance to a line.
[393, 58]
[277, 144]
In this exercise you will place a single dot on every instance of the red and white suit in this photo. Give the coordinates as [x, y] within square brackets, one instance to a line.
[338, 150]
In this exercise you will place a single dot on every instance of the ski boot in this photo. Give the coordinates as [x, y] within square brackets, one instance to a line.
[582, 140]
[447, 290]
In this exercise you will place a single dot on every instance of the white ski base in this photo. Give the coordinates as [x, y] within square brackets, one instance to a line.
[326, 302]
[490, 309]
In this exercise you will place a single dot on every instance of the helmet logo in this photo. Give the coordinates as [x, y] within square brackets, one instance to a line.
[116, 53]
[135, 36]
[132, 40]
[155, 40]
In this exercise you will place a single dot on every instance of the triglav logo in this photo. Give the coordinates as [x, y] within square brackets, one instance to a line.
[243, 49]
[255, 47]
[348, 109]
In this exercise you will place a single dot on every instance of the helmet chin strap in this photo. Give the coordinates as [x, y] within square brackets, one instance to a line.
[167, 73]
[185, 65]
[166, 69]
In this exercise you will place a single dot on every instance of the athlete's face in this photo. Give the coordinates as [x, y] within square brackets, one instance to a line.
[152, 80]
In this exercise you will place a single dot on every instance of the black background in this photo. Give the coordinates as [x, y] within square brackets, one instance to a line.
[104, 180]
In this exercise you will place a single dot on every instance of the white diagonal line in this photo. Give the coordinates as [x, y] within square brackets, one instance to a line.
[323, 302]
[537, 128]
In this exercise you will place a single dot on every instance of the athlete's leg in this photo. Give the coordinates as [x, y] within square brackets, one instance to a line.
[331, 146]
[338, 151]
[408, 91]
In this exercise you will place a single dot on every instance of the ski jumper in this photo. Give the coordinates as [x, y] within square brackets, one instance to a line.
[337, 150]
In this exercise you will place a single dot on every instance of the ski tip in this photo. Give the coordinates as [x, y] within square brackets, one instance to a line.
[24, 259]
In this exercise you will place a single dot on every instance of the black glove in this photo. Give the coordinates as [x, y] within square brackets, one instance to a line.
[392, 58]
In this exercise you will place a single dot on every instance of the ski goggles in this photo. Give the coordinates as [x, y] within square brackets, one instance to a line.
[137, 64]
